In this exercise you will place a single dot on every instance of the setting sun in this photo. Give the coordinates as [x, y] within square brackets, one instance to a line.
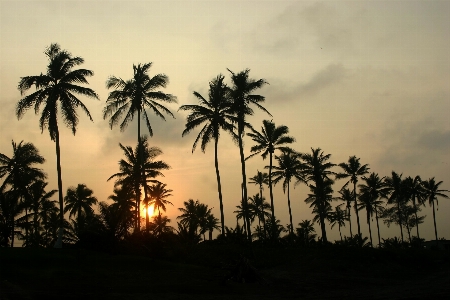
[151, 210]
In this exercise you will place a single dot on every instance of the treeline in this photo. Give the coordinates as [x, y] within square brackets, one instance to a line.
[27, 206]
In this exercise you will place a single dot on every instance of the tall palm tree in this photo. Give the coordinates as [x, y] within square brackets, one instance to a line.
[416, 192]
[78, 200]
[134, 96]
[57, 86]
[373, 189]
[213, 114]
[289, 167]
[353, 169]
[432, 192]
[242, 97]
[399, 195]
[316, 168]
[319, 199]
[135, 172]
[346, 195]
[267, 141]
[19, 172]
[338, 216]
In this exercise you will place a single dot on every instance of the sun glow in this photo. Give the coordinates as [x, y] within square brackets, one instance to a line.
[151, 211]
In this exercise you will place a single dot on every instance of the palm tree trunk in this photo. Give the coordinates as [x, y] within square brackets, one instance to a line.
[356, 209]
[349, 207]
[415, 214]
[370, 229]
[58, 243]
[340, 234]
[378, 229]
[400, 220]
[244, 177]
[219, 186]
[290, 213]
[138, 188]
[262, 210]
[270, 189]
[435, 228]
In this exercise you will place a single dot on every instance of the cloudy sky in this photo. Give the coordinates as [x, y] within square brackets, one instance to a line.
[364, 78]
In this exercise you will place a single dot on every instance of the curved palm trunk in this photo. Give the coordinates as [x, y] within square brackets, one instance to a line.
[370, 229]
[356, 209]
[290, 213]
[244, 177]
[378, 229]
[435, 228]
[58, 243]
[219, 187]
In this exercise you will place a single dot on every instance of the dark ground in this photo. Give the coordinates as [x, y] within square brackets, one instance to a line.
[199, 272]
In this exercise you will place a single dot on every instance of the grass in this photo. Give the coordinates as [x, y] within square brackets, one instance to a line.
[197, 273]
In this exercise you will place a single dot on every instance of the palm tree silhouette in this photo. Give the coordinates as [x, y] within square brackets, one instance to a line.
[289, 166]
[316, 168]
[123, 205]
[19, 172]
[416, 192]
[78, 200]
[431, 193]
[347, 196]
[246, 212]
[338, 216]
[260, 207]
[267, 141]
[158, 195]
[134, 96]
[213, 114]
[306, 232]
[211, 223]
[260, 179]
[398, 196]
[353, 169]
[160, 225]
[135, 172]
[58, 85]
[242, 97]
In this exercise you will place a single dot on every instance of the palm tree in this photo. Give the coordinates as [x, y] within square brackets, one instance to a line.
[242, 97]
[213, 114]
[79, 200]
[211, 224]
[260, 179]
[58, 85]
[316, 168]
[432, 191]
[289, 166]
[267, 141]
[373, 188]
[319, 199]
[353, 169]
[194, 216]
[134, 96]
[416, 192]
[158, 195]
[338, 216]
[159, 225]
[134, 174]
[398, 195]
[123, 202]
[19, 172]
[39, 199]
[347, 196]
[246, 212]
[306, 231]
[259, 206]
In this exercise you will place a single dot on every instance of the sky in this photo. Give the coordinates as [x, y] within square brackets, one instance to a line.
[364, 78]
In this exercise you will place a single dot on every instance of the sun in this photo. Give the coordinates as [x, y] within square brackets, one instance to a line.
[151, 211]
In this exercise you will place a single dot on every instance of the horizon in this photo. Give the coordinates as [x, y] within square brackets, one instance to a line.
[369, 79]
